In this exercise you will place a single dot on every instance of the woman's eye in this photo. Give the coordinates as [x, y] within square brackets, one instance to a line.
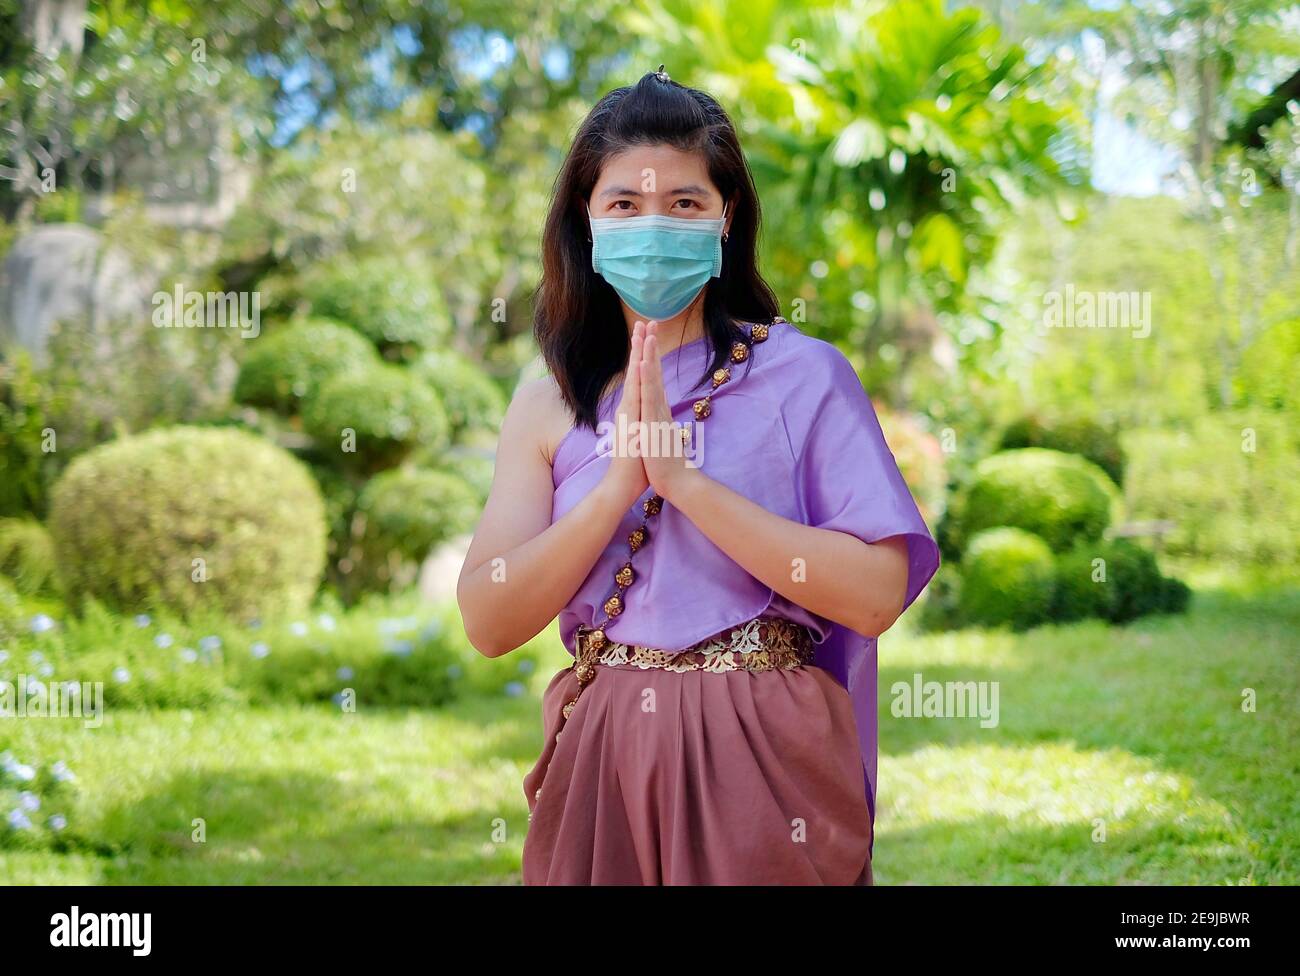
[689, 204]
[619, 204]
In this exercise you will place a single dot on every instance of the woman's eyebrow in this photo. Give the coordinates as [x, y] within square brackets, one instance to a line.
[692, 190]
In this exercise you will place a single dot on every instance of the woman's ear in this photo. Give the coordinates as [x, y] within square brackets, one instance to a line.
[731, 215]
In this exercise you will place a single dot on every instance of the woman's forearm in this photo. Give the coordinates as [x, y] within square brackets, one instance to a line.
[510, 597]
[829, 573]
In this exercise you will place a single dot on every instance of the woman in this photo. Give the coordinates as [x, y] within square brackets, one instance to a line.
[702, 493]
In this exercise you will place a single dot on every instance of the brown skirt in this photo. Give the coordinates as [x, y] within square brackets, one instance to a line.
[698, 778]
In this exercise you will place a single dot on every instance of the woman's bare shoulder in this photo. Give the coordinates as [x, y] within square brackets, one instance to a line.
[539, 415]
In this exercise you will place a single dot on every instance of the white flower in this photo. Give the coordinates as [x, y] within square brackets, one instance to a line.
[121, 675]
[326, 622]
[47, 670]
[42, 623]
[298, 629]
[394, 625]
[345, 673]
[514, 689]
[164, 641]
[212, 643]
[58, 822]
[18, 820]
[259, 649]
[189, 655]
[62, 773]
[4, 656]
[142, 620]
[10, 764]
[29, 801]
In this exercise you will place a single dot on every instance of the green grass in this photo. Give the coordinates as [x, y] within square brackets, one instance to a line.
[305, 795]
[1138, 727]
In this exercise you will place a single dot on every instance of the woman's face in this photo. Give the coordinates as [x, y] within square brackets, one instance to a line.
[659, 180]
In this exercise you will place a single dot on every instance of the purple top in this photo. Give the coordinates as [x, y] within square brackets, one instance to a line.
[793, 431]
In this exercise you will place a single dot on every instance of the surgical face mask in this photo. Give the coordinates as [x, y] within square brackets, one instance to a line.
[657, 264]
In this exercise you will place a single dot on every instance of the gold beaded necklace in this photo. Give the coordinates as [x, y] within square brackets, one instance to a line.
[624, 577]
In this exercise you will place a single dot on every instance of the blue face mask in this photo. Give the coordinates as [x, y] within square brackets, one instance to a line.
[657, 264]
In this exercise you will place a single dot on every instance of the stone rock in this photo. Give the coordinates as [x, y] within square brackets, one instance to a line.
[63, 274]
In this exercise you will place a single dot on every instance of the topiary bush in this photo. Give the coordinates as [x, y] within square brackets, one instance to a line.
[401, 516]
[1070, 435]
[288, 365]
[27, 555]
[131, 519]
[395, 305]
[941, 605]
[1008, 577]
[1063, 498]
[389, 411]
[473, 402]
[412, 510]
[1117, 580]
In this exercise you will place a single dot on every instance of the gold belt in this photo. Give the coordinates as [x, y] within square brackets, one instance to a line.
[761, 644]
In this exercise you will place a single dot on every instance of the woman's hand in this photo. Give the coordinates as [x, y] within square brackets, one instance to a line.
[626, 477]
[663, 452]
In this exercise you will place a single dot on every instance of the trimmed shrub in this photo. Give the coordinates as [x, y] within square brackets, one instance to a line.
[1117, 580]
[400, 517]
[1008, 577]
[289, 365]
[941, 605]
[477, 469]
[1063, 498]
[471, 399]
[130, 518]
[1070, 435]
[389, 410]
[411, 511]
[27, 554]
[396, 306]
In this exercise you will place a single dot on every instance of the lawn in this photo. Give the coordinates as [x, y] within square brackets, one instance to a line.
[1138, 731]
